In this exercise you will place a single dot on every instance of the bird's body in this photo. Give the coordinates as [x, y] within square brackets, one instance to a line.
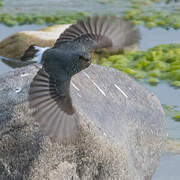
[50, 89]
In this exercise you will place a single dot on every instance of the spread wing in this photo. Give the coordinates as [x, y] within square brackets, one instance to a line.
[53, 111]
[98, 32]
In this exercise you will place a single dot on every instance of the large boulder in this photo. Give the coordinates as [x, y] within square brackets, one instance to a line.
[122, 133]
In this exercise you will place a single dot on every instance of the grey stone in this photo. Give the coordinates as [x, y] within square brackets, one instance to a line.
[122, 132]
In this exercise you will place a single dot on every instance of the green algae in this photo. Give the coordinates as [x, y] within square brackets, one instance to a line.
[171, 111]
[153, 14]
[58, 18]
[175, 83]
[1, 3]
[153, 81]
[153, 18]
[177, 117]
[139, 11]
[158, 63]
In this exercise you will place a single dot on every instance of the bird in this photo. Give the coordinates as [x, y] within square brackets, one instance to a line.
[49, 92]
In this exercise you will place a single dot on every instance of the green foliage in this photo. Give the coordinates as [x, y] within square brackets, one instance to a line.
[153, 81]
[1, 3]
[171, 112]
[159, 63]
[177, 117]
[58, 18]
[139, 11]
[153, 18]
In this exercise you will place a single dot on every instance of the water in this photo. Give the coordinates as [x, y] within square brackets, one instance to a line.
[168, 168]
[90, 6]
[169, 165]
[161, 91]
[157, 36]
[7, 31]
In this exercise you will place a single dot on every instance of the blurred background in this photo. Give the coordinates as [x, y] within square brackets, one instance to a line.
[155, 64]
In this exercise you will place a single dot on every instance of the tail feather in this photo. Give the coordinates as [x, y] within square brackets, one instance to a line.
[108, 32]
[34, 53]
[15, 63]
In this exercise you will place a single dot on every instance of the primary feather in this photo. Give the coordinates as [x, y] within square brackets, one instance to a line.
[53, 111]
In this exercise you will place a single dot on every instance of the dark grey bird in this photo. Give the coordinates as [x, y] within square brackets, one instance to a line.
[49, 92]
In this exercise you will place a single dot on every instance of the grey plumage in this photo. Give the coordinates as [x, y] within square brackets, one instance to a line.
[49, 91]
[101, 32]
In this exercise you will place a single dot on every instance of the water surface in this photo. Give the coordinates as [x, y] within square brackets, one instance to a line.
[91, 6]
[168, 168]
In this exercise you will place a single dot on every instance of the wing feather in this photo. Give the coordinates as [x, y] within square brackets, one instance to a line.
[54, 113]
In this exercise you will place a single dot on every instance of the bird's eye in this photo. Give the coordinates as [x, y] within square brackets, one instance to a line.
[84, 58]
[81, 58]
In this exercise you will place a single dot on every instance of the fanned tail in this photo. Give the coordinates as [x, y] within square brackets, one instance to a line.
[102, 32]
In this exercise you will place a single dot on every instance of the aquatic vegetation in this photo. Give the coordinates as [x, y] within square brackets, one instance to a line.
[58, 18]
[177, 117]
[141, 12]
[153, 14]
[159, 63]
[153, 18]
[138, 16]
[172, 112]
[153, 81]
[1, 3]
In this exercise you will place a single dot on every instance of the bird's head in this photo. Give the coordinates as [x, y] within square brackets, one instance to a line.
[65, 63]
[80, 61]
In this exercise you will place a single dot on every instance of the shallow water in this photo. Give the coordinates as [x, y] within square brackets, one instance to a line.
[170, 96]
[168, 168]
[157, 36]
[90, 6]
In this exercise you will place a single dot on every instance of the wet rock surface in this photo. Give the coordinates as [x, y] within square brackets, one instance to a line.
[122, 132]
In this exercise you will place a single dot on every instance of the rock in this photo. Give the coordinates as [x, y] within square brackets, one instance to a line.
[15, 45]
[122, 132]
